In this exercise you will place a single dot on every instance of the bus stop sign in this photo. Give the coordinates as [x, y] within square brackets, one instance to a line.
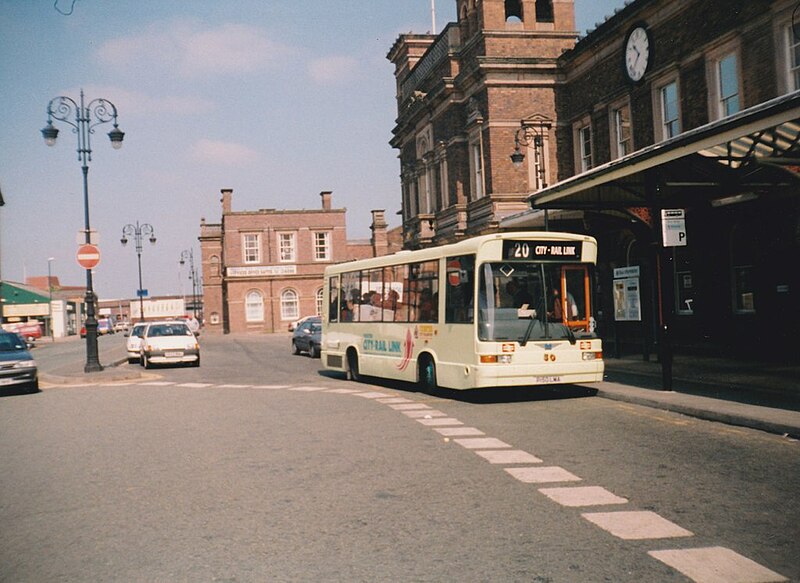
[88, 256]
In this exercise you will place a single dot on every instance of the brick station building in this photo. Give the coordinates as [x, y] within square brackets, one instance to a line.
[263, 269]
[677, 105]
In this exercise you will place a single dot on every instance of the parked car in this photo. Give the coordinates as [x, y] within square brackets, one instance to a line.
[307, 337]
[293, 325]
[104, 326]
[168, 342]
[17, 366]
[121, 326]
[30, 331]
[134, 342]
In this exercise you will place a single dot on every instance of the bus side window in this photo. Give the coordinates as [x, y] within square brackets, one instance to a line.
[351, 296]
[459, 288]
[333, 293]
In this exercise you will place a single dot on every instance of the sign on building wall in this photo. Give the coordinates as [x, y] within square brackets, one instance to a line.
[259, 270]
[627, 295]
[159, 309]
[25, 310]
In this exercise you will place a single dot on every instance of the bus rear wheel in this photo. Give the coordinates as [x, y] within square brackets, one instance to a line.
[352, 367]
[427, 373]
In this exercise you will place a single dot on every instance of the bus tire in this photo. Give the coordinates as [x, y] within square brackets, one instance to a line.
[427, 373]
[353, 373]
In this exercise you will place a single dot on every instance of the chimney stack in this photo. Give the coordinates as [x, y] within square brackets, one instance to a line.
[380, 240]
[227, 196]
[326, 199]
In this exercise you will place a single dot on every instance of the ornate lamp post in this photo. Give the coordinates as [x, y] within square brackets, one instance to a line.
[83, 117]
[532, 132]
[138, 231]
[189, 255]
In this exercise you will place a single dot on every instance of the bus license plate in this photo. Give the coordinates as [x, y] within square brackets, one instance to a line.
[173, 354]
[546, 380]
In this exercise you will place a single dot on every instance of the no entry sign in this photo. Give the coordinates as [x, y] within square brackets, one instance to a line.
[88, 256]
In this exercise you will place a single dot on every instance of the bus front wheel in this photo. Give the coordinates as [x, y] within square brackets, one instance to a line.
[352, 367]
[427, 373]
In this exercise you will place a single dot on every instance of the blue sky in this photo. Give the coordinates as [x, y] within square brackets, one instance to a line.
[276, 99]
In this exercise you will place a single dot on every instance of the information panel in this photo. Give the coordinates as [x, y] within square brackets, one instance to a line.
[543, 250]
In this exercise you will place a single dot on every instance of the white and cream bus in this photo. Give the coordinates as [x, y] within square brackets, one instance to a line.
[412, 315]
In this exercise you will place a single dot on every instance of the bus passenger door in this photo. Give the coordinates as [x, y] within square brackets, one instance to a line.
[575, 296]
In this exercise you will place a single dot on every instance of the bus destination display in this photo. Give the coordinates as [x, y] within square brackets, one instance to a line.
[542, 250]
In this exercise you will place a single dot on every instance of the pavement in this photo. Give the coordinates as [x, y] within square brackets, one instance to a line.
[757, 395]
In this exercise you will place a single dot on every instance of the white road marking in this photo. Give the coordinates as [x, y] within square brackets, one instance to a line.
[234, 386]
[157, 384]
[392, 400]
[195, 385]
[424, 414]
[410, 406]
[371, 395]
[453, 431]
[636, 525]
[716, 565]
[440, 422]
[482, 443]
[270, 387]
[343, 391]
[582, 496]
[542, 475]
[308, 389]
[506, 456]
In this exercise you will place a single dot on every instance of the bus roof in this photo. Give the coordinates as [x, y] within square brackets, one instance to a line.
[463, 247]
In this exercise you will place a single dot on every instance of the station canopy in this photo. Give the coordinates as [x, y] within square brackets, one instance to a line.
[751, 154]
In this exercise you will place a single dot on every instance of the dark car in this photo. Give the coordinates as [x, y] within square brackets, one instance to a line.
[307, 337]
[17, 366]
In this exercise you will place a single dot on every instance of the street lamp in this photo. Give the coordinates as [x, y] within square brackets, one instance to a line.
[532, 131]
[138, 231]
[86, 117]
[189, 254]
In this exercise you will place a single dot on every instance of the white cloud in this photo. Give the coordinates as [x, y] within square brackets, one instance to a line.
[333, 69]
[222, 153]
[189, 50]
[139, 103]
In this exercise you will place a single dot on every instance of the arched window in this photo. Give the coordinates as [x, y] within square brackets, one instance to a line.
[290, 309]
[544, 10]
[514, 11]
[254, 306]
[214, 266]
[319, 301]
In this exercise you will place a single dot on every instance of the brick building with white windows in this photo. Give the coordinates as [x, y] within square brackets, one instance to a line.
[668, 104]
[263, 269]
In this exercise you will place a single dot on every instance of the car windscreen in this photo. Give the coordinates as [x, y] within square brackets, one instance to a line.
[169, 330]
[11, 343]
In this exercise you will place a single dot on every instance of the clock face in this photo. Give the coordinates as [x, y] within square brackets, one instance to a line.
[637, 53]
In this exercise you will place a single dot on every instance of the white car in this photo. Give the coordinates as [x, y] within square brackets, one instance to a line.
[168, 343]
[134, 342]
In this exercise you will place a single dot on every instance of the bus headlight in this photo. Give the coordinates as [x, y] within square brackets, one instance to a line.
[592, 355]
[496, 358]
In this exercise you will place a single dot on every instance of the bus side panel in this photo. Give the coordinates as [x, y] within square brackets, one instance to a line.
[455, 356]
